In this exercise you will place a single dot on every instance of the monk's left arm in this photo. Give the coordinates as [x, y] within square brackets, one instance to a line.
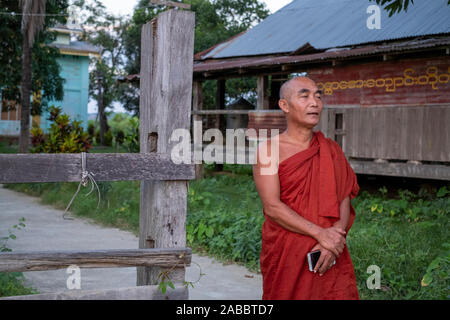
[344, 213]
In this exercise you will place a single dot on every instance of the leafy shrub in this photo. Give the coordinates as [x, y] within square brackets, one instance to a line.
[132, 139]
[120, 137]
[108, 138]
[91, 130]
[12, 283]
[64, 136]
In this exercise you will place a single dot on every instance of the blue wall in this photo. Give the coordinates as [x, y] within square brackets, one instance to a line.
[75, 70]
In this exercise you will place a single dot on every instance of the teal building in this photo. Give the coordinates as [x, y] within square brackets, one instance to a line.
[74, 64]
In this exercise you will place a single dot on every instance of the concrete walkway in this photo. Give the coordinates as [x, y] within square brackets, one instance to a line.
[47, 230]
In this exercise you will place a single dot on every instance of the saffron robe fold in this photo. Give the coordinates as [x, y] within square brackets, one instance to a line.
[313, 182]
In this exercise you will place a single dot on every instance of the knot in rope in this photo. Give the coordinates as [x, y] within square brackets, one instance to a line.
[86, 177]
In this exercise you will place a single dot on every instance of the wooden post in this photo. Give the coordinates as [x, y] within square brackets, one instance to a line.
[197, 105]
[165, 105]
[220, 105]
[263, 94]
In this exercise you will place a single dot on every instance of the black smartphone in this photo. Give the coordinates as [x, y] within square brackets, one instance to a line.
[312, 258]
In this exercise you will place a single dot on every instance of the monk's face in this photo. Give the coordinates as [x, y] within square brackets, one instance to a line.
[302, 102]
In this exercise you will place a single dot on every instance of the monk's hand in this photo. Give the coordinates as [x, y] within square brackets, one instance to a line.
[332, 239]
[326, 260]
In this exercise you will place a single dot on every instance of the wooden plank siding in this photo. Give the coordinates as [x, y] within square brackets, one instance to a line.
[398, 133]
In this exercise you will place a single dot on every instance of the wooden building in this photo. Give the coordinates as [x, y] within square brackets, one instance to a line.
[386, 90]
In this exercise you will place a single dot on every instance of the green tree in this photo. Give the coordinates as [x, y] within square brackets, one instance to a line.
[106, 31]
[396, 6]
[33, 18]
[25, 56]
[216, 21]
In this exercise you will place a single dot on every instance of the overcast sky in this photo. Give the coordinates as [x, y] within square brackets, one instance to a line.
[125, 7]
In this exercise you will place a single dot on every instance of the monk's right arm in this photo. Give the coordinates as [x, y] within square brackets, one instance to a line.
[268, 186]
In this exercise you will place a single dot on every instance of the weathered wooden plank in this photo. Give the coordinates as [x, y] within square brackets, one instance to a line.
[22, 261]
[134, 293]
[163, 204]
[348, 127]
[66, 167]
[398, 169]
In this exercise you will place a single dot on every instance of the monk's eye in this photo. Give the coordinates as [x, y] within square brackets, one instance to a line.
[319, 97]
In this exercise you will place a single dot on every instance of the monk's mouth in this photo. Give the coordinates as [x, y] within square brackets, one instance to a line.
[313, 113]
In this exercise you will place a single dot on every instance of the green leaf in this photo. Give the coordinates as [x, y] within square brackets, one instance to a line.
[162, 286]
[434, 264]
[209, 232]
[426, 280]
[442, 192]
[170, 284]
[201, 229]
[12, 236]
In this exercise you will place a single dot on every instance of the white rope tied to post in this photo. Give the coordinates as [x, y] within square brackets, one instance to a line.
[86, 176]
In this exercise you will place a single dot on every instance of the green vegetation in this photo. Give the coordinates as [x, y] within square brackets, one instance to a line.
[405, 234]
[12, 283]
[7, 146]
[65, 136]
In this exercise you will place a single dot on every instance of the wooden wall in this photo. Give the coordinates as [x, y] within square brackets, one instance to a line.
[402, 133]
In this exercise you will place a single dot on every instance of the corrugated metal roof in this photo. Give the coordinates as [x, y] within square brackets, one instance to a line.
[221, 65]
[333, 23]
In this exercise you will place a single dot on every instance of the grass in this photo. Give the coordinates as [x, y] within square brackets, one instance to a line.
[404, 233]
[6, 147]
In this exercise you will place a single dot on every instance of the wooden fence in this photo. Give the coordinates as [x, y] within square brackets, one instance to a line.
[165, 105]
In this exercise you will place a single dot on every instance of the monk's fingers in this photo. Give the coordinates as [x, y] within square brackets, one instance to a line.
[316, 247]
[319, 263]
[326, 264]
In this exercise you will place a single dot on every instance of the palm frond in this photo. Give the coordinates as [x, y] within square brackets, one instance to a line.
[33, 18]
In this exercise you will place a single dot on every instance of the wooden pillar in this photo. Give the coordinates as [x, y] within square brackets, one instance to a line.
[165, 105]
[263, 93]
[220, 105]
[275, 85]
[197, 105]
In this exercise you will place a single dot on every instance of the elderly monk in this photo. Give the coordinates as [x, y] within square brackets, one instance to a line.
[306, 203]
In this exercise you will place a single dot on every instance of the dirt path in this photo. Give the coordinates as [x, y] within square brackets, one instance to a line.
[47, 230]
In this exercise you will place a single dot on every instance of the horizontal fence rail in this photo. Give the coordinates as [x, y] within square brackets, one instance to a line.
[152, 292]
[66, 167]
[52, 260]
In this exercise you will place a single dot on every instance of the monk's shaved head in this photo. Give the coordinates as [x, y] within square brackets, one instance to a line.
[286, 89]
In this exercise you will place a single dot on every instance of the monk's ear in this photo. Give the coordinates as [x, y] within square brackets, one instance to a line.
[284, 105]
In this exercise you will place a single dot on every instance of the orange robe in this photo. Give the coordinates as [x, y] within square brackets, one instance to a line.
[313, 182]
